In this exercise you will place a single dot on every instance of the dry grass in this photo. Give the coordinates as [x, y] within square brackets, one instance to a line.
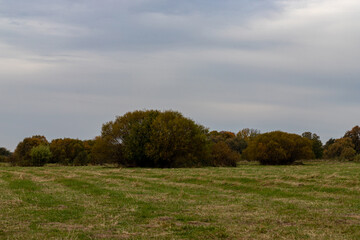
[318, 200]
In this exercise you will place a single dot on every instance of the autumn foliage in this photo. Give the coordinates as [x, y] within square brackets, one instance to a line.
[154, 139]
[22, 154]
[167, 139]
[278, 148]
[342, 149]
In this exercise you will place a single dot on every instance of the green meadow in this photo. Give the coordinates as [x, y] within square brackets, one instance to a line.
[316, 200]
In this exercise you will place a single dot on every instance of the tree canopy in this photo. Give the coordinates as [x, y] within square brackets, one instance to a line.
[153, 139]
[277, 148]
[316, 143]
[68, 151]
[22, 152]
[354, 135]
[342, 148]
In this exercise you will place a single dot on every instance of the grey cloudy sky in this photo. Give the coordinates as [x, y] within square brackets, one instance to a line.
[68, 66]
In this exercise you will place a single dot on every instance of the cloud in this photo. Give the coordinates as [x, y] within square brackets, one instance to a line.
[289, 65]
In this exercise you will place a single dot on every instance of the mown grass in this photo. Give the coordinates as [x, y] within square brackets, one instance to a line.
[318, 200]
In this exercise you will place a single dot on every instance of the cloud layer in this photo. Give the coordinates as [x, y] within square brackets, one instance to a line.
[66, 66]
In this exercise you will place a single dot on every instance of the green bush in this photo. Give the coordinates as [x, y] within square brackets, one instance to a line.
[278, 148]
[70, 151]
[40, 155]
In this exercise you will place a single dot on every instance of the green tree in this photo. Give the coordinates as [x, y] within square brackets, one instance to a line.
[354, 135]
[176, 141]
[329, 143]
[127, 136]
[105, 151]
[277, 148]
[65, 151]
[22, 152]
[152, 139]
[317, 146]
[40, 155]
[4, 154]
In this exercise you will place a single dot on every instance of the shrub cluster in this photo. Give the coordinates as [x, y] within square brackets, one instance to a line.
[22, 154]
[37, 151]
[39, 155]
[278, 148]
[69, 151]
[166, 139]
[342, 149]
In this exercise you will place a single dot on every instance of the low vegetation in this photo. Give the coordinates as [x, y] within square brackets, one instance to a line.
[317, 200]
[279, 148]
[167, 139]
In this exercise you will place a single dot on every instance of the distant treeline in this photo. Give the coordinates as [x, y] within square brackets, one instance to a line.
[167, 139]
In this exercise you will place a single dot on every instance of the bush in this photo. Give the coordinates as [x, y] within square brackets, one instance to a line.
[223, 156]
[342, 149]
[40, 155]
[236, 143]
[22, 152]
[357, 158]
[70, 151]
[278, 148]
[81, 159]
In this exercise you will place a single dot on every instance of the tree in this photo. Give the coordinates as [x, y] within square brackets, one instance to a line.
[242, 139]
[152, 139]
[176, 141]
[127, 136]
[104, 151]
[222, 136]
[40, 155]
[22, 152]
[236, 142]
[329, 143]
[354, 135]
[65, 151]
[4, 154]
[277, 148]
[342, 148]
[317, 146]
[223, 156]
[248, 133]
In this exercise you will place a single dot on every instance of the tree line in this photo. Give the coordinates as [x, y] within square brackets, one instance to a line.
[167, 139]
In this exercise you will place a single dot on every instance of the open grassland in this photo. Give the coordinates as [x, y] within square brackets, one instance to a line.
[318, 200]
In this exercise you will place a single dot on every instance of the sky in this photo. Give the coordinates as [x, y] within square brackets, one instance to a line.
[68, 66]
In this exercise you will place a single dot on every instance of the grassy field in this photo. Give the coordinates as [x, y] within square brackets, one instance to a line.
[318, 200]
